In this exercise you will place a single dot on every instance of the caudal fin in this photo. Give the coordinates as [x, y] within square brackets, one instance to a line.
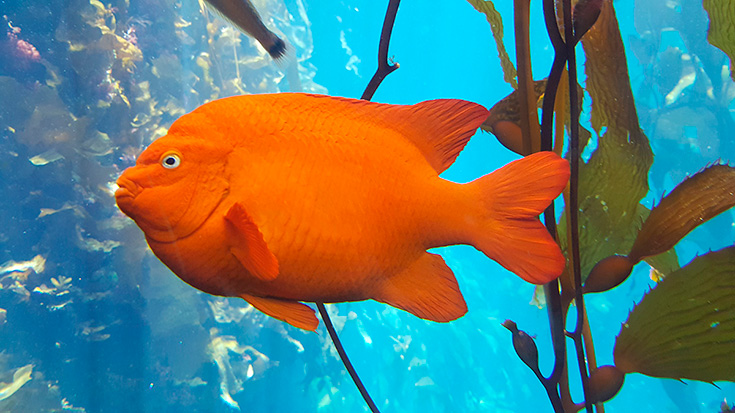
[510, 232]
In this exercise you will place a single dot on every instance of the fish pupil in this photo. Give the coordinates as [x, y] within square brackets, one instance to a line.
[170, 161]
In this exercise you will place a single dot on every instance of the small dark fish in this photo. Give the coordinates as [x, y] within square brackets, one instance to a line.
[243, 14]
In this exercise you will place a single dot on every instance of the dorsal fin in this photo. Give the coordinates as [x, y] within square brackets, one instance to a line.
[440, 128]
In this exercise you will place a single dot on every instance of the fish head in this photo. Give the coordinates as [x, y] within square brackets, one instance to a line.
[174, 187]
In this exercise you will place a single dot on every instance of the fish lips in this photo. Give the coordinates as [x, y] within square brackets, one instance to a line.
[126, 196]
[126, 193]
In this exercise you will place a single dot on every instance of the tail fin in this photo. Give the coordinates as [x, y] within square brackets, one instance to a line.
[510, 232]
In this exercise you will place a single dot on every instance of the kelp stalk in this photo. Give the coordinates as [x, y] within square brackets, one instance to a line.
[573, 199]
[552, 83]
[346, 360]
[384, 67]
[551, 290]
[527, 98]
[564, 53]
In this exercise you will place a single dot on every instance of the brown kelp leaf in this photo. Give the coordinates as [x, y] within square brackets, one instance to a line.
[585, 15]
[685, 327]
[613, 270]
[662, 264]
[693, 202]
[721, 33]
[496, 24]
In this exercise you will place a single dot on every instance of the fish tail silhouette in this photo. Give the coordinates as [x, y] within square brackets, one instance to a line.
[510, 231]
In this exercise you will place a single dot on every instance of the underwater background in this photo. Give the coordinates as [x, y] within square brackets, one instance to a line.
[105, 327]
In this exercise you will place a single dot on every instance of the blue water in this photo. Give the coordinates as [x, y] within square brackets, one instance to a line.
[108, 328]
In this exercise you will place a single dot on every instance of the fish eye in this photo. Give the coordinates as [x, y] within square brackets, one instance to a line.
[170, 161]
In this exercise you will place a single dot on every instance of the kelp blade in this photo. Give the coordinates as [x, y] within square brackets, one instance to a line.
[721, 32]
[615, 178]
[693, 202]
[685, 327]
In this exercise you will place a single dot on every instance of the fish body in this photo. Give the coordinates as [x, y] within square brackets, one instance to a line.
[285, 198]
[243, 14]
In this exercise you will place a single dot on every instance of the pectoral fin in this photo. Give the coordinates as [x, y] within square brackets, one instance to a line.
[248, 246]
[426, 289]
[293, 312]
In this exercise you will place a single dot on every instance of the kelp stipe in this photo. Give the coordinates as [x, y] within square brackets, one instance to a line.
[384, 69]
[345, 359]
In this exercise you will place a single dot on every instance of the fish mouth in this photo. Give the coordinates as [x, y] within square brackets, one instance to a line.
[126, 192]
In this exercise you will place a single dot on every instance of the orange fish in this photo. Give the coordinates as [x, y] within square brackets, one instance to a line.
[292, 197]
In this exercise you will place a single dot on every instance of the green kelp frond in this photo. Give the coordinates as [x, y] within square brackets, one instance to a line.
[615, 178]
[692, 203]
[602, 238]
[721, 32]
[496, 24]
[608, 83]
[685, 327]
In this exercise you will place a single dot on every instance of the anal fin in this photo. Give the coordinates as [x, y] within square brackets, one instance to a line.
[248, 246]
[293, 312]
[426, 289]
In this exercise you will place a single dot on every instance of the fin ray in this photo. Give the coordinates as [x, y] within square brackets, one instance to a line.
[511, 233]
[426, 289]
[292, 312]
[248, 246]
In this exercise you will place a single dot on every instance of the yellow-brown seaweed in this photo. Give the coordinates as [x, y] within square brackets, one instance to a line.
[685, 327]
[504, 120]
[721, 33]
[615, 178]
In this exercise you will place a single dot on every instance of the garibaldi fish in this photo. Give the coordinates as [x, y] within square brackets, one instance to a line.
[283, 198]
